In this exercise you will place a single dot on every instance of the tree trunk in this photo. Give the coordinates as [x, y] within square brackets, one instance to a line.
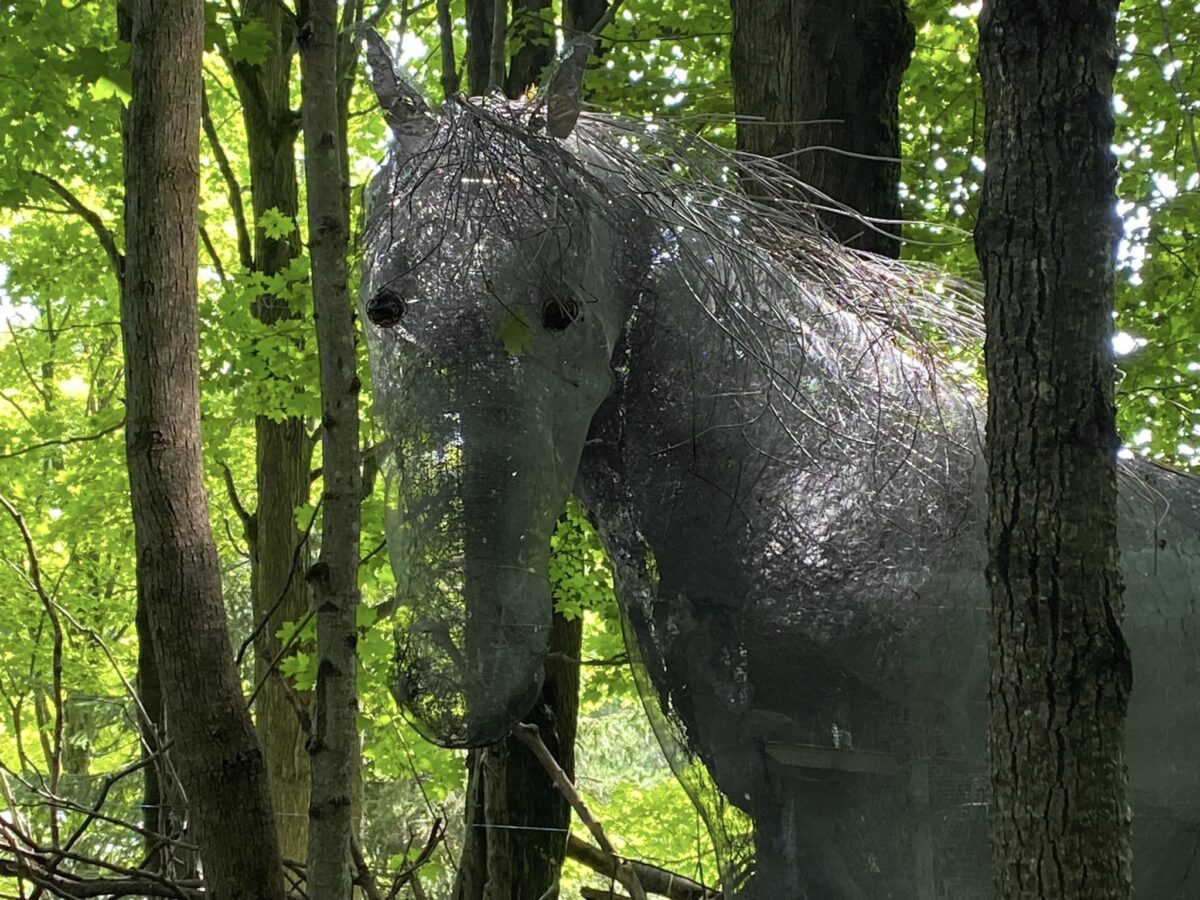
[825, 77]
[178, 572]
[579, 16]
[1046, 240]
[480, 14]
[517, 821]
[532, 34]
[284, 451]
[333, 744]
[156, 818]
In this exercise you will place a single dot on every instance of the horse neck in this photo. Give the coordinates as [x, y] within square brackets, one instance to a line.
[745, 411]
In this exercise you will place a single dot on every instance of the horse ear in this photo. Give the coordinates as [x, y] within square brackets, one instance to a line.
[565, 87]
[404, 109]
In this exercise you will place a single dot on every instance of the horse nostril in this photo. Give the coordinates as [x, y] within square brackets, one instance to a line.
[385, 309]
[559, 313]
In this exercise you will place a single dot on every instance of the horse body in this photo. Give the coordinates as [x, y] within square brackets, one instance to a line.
[789, 486]
[813, 592]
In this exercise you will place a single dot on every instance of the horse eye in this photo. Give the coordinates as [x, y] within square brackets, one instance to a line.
[559, 313]
[385, 309]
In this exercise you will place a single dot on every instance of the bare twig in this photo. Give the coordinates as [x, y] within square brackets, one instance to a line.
[54, 760]
[283, 651]
[266, 617]
[408, 875]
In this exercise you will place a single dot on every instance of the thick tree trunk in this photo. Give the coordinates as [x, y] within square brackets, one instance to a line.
[179, 576]
[284, 451]
[333, 744]
[532, 36]
[825, 77]
[1046, 239]
[580, 16]
[517, 821]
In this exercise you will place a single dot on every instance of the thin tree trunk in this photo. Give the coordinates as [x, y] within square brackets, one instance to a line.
[480, 14]
[824, 77]
[499, 45]
[284, 451]
[178, 572]
[1046, 239]
[334, 742]
[155, 816]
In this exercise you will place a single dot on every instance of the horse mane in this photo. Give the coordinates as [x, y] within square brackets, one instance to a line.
[674, 176]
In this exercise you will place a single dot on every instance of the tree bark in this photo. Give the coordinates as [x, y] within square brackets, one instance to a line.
[333, 745]
[580, 16]
[1060, 669]
[822, 78]
[178, 572]
[532, 34]
[517, 821]
[284, 451]
[480, 14]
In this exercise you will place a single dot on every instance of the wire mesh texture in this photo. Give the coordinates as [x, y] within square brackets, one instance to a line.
[778, 438]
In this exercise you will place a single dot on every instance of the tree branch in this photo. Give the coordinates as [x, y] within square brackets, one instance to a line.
[59, 442]
[624, 873]
[234, 189]
[103, 234]
[655, 879]
[211, 249]
[236, 501]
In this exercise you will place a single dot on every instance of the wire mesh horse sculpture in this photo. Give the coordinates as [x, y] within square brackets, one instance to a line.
[783, 465]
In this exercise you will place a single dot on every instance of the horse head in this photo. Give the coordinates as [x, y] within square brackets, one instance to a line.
[495, 298]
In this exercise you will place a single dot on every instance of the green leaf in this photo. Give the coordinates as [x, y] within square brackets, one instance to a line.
[515, 334]
[104, 88]
[254, 42]
[365, 616]
[304, 516]
[275, 224]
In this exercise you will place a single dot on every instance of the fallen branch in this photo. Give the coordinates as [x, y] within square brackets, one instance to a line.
[655, 879]
[590, 893]
[622, 871]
